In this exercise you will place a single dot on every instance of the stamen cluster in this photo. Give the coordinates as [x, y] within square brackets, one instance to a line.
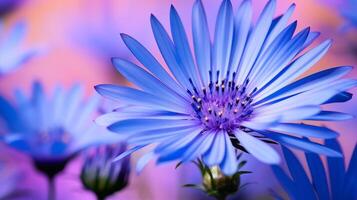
[222, 105]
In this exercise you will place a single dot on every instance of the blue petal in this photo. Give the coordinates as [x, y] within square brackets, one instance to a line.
[266, 64]
[278, 25]
[131, 126]
[301, 144]
[242, 24]
[255, 41]
[305, 130]
[293, 114]
[179, 146]
[336, 167]
[184, 55]
[229, 164]
[128, 152]
[168, 52]
[147, 82]
[310, 82]
[160, 135]
[350, 185]
[319, 179]
[223, 39]
[143, 161]
[215, 155]
[259, 149]
[10, 115]
[72, 103]
[149, 61]
[136, 97]
[296, 68]
[299, 175]
[279, 59]
[330, 116]
[286, 182]
[340, 97]
[201, 40]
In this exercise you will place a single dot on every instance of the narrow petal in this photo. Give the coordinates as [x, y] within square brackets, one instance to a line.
[201, 40]
[305, 130]
[147, 82]
[229, 164]
[168, 52]
[259, 149]
[149, 61]
[319, 179]
[299, 175]
[182, 46]
[301, 144]
[223, 39]
[336, 167]
[215, 155]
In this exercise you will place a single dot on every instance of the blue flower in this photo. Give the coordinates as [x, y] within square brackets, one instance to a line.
[11, 53]
[343, 181]
[6, 6]
[101, 175]
[234, 92]
[346, 9]
[52, 129]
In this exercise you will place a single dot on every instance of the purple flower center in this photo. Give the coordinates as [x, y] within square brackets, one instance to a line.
[222, 105]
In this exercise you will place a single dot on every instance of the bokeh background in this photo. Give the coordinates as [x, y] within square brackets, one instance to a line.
[77, 38]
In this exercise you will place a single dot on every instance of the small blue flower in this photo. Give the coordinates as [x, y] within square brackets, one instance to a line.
[12, 54]
[346, 9]
[103, 176]
[52, 129]
[342, 180]
[233, 93]
[6, 6]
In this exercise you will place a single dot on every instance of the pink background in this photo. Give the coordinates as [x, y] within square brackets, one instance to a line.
[78, 37]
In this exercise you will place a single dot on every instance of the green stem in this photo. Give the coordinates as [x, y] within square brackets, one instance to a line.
[51, 188]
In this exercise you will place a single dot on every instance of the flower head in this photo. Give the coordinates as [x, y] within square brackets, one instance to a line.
[103, 176]
[342, 180]
[233, 93]
[347, 10]
[12, 55]
[7, 6]
[52, 129]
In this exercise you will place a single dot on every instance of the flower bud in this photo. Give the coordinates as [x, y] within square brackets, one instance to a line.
[101, 175]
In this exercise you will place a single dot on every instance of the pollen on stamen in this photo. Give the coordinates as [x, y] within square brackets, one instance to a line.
[224, 107]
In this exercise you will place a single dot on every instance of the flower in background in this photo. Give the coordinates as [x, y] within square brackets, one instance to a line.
[342, 180]
[347, 10]
[52, 129]
[9, 179]
[6, 6]
[231, 94]
[101, 175]
[11, 53]
[100, 32]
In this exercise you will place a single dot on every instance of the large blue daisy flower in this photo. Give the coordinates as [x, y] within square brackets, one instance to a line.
[232, 93]
[12, 54]
[343, 181]
[52, 129]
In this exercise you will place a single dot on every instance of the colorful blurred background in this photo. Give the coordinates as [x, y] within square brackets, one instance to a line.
[75, 40]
